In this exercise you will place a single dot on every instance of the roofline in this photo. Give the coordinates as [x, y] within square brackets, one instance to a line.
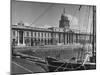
[42, 29]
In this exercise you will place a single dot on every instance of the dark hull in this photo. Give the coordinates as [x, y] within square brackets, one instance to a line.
[56, 65]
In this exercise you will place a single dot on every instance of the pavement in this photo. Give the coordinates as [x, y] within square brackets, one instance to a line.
[23, 66]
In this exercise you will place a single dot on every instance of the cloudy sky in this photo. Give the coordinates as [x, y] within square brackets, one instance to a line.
[48, 14]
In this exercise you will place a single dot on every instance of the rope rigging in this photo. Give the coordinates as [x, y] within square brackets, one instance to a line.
[85, 39]
[42, 14]
[72, 68]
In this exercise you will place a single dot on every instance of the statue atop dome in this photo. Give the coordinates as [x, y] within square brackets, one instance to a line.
[21, 23]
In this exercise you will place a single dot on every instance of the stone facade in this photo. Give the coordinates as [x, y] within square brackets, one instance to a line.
[30, 36]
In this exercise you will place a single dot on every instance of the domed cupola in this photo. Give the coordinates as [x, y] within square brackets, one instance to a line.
[64, 22]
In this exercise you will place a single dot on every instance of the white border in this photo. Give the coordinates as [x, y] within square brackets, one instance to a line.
[5, 37]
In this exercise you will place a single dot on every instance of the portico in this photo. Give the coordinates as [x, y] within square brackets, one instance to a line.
[20, 36]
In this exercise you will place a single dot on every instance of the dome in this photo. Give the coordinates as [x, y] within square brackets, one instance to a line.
[64, 16]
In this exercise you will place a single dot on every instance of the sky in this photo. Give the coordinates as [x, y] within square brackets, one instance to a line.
[49, 14]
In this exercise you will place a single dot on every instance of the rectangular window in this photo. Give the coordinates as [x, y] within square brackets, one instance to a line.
[27, 33]
[42, 34]
[38, 34]
[31, 33]
[35, 34]
[45, 34]
[48, 34]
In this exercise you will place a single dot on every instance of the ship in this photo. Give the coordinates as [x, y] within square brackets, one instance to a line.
[57, 65]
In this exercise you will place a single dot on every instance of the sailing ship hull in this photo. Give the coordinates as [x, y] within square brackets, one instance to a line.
[56, 65]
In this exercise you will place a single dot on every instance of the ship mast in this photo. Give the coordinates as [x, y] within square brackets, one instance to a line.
[94, 31]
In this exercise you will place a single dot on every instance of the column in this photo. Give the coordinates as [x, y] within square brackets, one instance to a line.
[18, 37]
[66, 38]
[23, 39]
[72, 38]
[76, 38]
[59, 37]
